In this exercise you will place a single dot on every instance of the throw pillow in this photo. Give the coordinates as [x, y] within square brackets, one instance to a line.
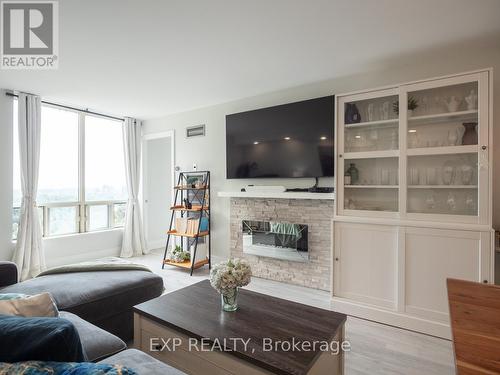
[44, 368]
[40, 339]
[40, 305]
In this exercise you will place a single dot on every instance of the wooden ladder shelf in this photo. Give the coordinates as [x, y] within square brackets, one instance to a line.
[191, 202]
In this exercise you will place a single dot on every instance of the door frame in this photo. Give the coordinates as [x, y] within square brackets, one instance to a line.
[144, 178]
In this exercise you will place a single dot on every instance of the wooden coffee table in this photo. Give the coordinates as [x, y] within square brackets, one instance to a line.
[188, 329]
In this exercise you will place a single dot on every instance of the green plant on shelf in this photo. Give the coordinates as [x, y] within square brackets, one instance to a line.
[412, 105]
[178, 255]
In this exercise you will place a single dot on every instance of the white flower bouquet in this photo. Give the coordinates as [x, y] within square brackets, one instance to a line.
[227, 277]
[231, 274]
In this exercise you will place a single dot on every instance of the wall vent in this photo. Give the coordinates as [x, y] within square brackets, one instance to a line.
[195, 131]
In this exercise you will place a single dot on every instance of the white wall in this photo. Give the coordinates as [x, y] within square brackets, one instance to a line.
[58, 250]
[209, 151]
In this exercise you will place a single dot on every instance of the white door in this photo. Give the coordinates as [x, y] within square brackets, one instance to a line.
[432, 256]
[365, 264]
[158, 185]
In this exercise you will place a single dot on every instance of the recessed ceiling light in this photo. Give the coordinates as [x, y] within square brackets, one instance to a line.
[412, 131]
[357, 137]
[323, 138]
[286, 138]
[256, 143]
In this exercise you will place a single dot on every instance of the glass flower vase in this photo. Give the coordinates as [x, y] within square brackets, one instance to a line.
[229, 300]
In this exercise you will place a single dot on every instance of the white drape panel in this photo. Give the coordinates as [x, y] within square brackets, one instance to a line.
[29, 255]
[134, 243]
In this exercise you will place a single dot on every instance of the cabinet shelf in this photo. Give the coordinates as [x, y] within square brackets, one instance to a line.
[444, 117]
[372, 154]
[373, 123]
[371, 186]
[468, 149]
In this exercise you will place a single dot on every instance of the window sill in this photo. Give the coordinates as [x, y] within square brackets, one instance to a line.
[70, 235]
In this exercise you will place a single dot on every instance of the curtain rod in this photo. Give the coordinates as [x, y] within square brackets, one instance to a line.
[72, 108]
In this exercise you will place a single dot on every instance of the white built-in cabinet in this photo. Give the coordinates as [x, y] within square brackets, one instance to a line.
[414, 198]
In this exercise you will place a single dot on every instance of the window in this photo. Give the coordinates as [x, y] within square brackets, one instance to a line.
[81, 185]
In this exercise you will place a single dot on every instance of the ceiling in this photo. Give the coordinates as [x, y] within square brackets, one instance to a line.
[148, 58]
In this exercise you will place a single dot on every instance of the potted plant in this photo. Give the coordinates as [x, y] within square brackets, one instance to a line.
[178, 255]
[226, 277]
[412, 105]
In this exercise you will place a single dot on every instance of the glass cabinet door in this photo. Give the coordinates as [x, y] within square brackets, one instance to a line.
[370, 150]
[426, 159]
[442, 146]
[371, 184]
[443, 184]
[443, 116]
[371, 124]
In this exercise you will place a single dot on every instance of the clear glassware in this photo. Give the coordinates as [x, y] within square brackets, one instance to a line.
[430, 202]
[466, 172]
[431, 176]
[414, 176]
[452, 137]
[448, 174]
[470, 204]
[384, 176]
[451, 202]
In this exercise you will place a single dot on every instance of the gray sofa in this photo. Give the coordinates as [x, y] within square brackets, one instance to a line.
[99, 304]
[103, 298]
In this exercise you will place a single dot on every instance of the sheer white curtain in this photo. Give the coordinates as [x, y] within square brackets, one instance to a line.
[134, 243]
[29, 255]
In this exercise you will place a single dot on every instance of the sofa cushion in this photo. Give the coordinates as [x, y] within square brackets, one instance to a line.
[96, 342]
[141, 363]
[95, 296]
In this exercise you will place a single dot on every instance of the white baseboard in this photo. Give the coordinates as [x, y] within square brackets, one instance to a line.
[83, 257]
[156, 244]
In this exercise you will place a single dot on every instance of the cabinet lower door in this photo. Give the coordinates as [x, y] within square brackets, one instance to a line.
[366, 263]
[432, 256]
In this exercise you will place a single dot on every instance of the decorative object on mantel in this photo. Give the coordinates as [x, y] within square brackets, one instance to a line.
[352, 115]
[412, 105]
[226, 277]
[470, 134]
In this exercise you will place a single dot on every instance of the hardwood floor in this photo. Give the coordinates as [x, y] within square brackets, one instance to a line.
[376, 348]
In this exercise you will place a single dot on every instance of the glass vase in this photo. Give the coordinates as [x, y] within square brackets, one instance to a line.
[229, 300]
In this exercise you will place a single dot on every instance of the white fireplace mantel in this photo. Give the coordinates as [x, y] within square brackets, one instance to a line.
[276, 195]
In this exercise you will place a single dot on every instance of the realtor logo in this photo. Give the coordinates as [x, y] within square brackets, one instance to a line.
[29, 34]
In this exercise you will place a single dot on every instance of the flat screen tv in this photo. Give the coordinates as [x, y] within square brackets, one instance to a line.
[285, 141]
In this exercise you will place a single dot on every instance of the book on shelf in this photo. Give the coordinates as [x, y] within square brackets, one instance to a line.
[187, 225]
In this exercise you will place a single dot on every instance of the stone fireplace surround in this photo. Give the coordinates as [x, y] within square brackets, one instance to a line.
[316, 213]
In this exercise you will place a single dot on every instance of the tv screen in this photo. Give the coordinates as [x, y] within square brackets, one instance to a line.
[285, 141]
